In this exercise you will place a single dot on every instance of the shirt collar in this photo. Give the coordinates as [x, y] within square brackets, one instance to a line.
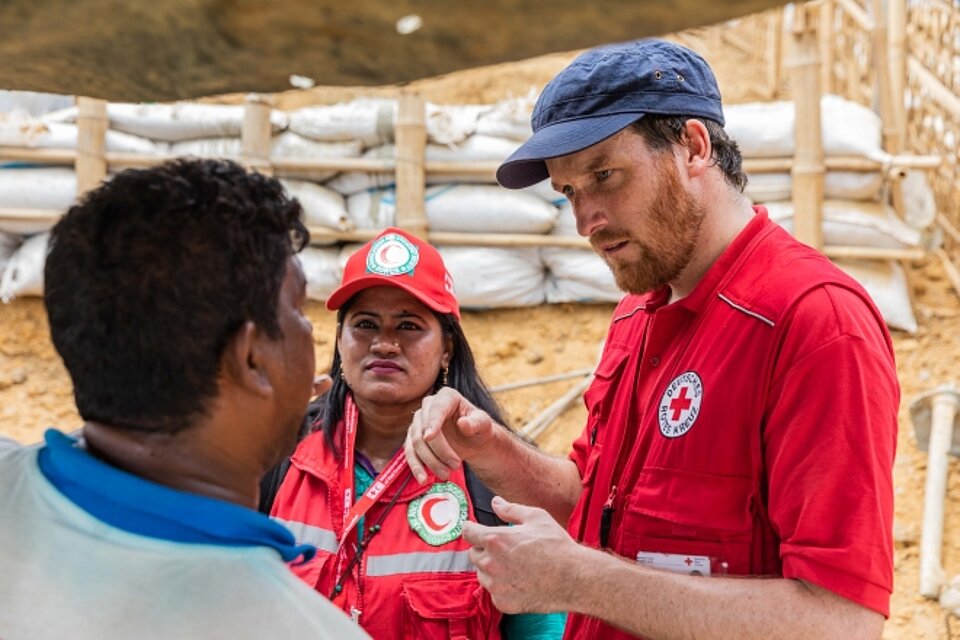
[142, 507]
[711, 280]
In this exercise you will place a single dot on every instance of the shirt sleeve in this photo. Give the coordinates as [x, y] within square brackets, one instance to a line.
[533, 626]
[829, 442]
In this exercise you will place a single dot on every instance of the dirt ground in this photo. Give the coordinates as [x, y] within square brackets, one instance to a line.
[521, 344]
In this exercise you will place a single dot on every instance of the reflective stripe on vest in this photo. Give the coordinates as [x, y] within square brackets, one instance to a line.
[419, 562]
[322, 539]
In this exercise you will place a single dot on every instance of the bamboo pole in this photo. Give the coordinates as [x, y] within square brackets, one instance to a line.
[953, 274]
[774, 53]
[942, 423]
[857, 14]
[66, 157]
[510, 386]
[874, 253]
[411, 140]
[827, 16]
[91, 160]
[949, 227]
[536, 426]
[892, 143]
[938, 92]
[897, 60]
[30, 216]
[325, 235]
[117, 160]
[808, 168]
[256, 134]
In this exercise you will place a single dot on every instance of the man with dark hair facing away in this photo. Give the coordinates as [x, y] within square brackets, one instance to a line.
[175, 299]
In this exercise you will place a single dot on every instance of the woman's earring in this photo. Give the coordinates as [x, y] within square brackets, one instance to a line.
[444, 378]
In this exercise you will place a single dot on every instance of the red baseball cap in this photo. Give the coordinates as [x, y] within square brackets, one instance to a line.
[396, 258]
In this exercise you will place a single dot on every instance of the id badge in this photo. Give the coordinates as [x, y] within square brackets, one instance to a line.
[690, 565]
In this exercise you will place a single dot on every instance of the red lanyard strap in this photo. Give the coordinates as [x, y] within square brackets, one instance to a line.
[394, 470]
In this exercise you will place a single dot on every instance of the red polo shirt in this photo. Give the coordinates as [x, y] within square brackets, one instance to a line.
[749, 428]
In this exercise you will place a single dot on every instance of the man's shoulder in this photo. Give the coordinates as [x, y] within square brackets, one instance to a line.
[781, 274]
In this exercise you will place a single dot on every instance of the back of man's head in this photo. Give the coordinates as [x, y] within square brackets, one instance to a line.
[149, 275]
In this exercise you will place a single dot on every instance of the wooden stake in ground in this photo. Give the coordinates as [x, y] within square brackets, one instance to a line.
[934, 417]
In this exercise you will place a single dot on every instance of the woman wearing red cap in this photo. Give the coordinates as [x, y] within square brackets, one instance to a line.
[390, 552]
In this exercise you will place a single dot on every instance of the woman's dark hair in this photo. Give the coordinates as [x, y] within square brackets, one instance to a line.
[149, 276]
[462, 375]
[661, 132]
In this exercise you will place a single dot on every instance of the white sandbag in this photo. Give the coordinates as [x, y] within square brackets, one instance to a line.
[23, 275]
[887, 285]
[578, 275]
[365, 119]
[32, 102]
[766, 129]
[508, 119]
[321, 206]
[9, 243]
[465, 208]
[488, 278]
[450, 124]
[474, 148]
[28, 132]
[283, 145]
[176, 122]
[322, 269]
[839, 185]
[566, 224]
[854, 224]
[544, 190]
[37, 188]
[351, 182]
[919, 203]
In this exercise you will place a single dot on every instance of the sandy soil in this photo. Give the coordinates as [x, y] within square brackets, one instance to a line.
[520, 344]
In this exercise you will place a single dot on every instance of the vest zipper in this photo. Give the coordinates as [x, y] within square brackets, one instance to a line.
[606, 517]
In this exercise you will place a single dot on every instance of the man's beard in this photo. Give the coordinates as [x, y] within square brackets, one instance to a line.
[675, 220]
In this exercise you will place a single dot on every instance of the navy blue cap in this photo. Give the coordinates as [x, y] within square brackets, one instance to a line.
[605, 90]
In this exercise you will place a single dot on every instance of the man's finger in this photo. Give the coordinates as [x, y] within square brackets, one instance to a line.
[413, 461]
[511, 512]
[477, 534]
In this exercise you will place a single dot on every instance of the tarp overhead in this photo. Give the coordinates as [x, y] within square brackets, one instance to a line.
[136, 50]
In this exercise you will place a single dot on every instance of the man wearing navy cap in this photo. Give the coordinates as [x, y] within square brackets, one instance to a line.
[734, 479]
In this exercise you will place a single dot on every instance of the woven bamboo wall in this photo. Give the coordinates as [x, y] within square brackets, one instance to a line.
[932, 102]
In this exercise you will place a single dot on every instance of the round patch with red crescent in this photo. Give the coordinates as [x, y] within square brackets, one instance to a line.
[392, 255]
[438, 515]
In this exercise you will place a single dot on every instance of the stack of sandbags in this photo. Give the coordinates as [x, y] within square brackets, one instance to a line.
[857, 210]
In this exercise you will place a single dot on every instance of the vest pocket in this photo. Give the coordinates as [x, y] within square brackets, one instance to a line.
[454, 607]
[681, 512]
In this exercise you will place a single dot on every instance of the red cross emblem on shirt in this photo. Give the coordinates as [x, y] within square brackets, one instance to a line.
[680, 404]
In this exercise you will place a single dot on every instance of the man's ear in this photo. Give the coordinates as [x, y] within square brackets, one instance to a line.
[696, 148]
[246, 359]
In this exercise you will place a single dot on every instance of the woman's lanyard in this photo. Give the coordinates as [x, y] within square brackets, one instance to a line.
[353, 512]
[394, 469]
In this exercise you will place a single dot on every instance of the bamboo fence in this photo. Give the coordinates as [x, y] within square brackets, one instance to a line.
[838, 46]
[931, 62]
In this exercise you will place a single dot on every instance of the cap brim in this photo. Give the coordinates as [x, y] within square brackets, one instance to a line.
[526, 165]
[340, 296]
